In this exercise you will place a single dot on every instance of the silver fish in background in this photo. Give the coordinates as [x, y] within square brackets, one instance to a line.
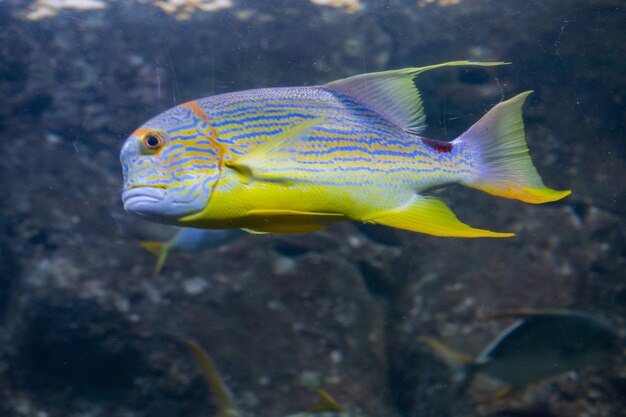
[543, 343]
[224, 400]
[189, 239]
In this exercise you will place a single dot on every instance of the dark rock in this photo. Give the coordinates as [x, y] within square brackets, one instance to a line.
[89, 332]
[9, 277]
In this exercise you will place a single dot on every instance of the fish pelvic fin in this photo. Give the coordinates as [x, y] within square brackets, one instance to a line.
[220, 393]
[161, 250]
[431, 216]
[284, 228]
[393, 94]
[506, 169]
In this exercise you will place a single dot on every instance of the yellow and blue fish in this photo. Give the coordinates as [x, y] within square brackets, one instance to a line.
[292, 159]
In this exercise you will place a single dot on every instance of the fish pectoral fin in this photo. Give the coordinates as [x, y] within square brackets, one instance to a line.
[431, 216]
[394, 94]
[272, 158]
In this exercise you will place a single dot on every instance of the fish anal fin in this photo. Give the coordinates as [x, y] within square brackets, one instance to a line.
[431, 216]
[262, 162]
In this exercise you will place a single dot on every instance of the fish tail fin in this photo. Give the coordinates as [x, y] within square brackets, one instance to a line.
[158, 249]
[506, 169]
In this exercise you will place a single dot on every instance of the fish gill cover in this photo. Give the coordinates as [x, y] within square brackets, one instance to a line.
[88, 330]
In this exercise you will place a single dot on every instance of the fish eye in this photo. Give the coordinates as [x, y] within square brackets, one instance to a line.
[151, 142]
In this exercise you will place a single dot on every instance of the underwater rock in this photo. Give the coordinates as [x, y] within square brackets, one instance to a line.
[75, 355]
[9, 276]
[283, 315]
[452, 296]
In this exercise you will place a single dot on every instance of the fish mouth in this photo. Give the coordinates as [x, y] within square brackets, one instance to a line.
[160, 204]
[141, 200]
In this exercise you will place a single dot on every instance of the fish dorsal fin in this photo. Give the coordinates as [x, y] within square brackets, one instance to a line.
[261, 161]
[394, 94]
[222, 398]
[326, 403]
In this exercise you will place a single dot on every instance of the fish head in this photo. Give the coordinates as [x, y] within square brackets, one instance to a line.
[170, 165]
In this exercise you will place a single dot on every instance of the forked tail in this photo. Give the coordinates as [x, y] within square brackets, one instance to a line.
[504, 165]
[160, 250]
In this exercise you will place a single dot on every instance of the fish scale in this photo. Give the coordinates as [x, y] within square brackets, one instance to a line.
[292, 159]
[353, 146]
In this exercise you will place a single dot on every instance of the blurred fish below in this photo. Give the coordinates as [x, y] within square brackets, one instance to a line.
[225, 403]
[291, 160]
[189, 239]
[541, 344]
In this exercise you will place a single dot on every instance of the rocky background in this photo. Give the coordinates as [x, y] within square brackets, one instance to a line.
[86, 330]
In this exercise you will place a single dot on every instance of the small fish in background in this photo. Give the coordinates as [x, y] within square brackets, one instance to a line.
[220, 394]
[189, 239]
[543, 343]
[225, 402]
[291, 159]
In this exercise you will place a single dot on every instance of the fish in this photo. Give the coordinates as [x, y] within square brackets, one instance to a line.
[540, 344]
[222, 397]
[225, 402]
[294, 159]
[189, 239]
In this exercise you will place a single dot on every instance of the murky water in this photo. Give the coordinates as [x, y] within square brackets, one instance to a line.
[89, 328]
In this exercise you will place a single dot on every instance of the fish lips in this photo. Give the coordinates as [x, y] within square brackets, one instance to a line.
[156, 203]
